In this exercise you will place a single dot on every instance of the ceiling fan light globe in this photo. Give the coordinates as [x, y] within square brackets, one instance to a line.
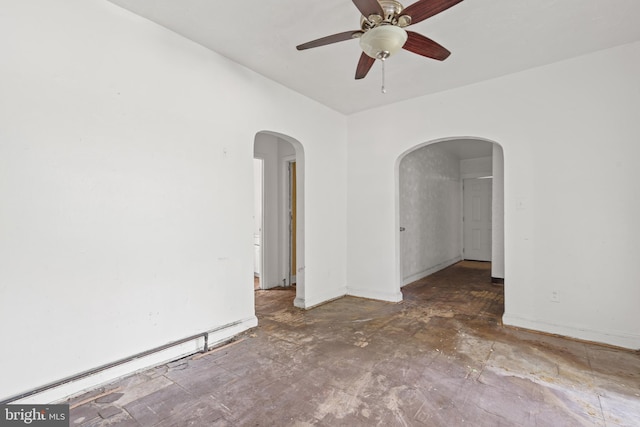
[385, 39]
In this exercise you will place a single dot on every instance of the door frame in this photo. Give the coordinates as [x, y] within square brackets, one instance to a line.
[286, 218]
[277, 217]
[498, 200]
[261, 258]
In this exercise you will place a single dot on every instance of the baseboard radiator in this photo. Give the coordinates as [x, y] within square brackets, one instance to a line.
[90, 372]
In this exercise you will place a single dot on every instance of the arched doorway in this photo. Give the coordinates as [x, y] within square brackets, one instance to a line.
[279, 232]
[430, 205]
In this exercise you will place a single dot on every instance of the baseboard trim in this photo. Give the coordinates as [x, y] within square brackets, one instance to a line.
[424, 273]
[72, 386]
[613, 338]
[497, 280]
[299, 302]
[380, 296]
[309, 303]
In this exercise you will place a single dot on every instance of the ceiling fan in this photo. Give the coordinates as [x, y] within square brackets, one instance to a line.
[382, 31]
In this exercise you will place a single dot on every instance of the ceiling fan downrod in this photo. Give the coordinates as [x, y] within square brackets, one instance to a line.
[383, 89]
[382, 56]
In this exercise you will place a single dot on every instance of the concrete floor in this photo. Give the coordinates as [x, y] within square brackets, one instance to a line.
[439, 358]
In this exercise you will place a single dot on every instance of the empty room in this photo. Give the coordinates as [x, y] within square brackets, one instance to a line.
[320, 213]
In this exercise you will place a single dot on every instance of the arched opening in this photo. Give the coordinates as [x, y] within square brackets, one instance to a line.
[279, 213]
[434, 213]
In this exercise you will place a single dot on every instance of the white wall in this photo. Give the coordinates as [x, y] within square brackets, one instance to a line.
[476, 168]
[569, 132]
[430, 211]
[266, 148]
[497, 214]
[127, 193]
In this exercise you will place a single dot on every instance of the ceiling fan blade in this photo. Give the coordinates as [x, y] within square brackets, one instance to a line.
[369, 7]
[334, 38]
[417, 43]
[423, 9]
[364, 65]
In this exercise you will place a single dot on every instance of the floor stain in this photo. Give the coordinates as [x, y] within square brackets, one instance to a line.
[441, 357]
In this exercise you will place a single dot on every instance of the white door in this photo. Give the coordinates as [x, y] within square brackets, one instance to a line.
[477, 219]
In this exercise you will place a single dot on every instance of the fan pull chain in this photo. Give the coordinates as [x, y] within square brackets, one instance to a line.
[383, 89]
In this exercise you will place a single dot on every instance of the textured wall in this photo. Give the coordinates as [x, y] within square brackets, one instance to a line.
[430, 211]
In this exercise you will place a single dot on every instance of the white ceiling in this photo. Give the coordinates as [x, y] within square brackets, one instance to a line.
[487, 38]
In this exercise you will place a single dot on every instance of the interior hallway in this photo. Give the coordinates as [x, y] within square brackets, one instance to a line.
[439, 358]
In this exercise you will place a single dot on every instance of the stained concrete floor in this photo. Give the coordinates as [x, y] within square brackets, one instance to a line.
[439, 358]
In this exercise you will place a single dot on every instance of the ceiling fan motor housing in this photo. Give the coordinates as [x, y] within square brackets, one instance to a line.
[391, 9]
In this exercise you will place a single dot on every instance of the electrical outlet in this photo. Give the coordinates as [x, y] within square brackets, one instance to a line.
[555, 296]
